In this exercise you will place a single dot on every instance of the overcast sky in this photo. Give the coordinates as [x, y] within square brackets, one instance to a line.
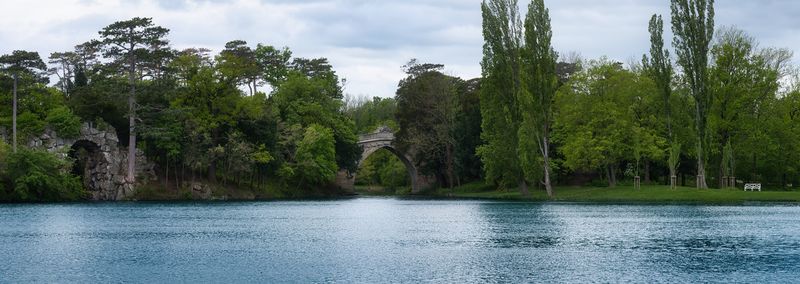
[368, 40]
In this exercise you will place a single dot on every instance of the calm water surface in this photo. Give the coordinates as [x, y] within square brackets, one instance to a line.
[392, 240]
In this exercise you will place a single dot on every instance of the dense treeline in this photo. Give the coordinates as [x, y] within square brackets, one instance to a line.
[715, 110]
[247, 116]
[730, 106]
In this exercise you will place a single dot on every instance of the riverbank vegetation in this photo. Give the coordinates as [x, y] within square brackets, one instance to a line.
[661, 194]
[715, 111]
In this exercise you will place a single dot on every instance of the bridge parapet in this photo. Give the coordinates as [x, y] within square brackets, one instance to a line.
[382, 133]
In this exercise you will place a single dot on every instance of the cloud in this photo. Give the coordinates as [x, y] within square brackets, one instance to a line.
[368, 40]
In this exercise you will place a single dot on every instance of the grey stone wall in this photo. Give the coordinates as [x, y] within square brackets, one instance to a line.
[106, 164]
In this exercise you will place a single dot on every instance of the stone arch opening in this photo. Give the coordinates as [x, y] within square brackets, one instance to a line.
[410, 170]
[89, 164]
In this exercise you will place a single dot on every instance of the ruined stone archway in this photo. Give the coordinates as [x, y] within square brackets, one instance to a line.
[383, 138]
[89, 164]
[100, 162]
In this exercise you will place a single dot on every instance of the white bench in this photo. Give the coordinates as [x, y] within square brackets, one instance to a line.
[752, 186]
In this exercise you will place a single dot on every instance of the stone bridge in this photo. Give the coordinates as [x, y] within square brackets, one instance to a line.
[99, 160]
[383, 138]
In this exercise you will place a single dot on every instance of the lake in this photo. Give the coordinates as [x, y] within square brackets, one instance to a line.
[371, 240]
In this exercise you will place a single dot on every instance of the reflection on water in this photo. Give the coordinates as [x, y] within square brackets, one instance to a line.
[394, 240]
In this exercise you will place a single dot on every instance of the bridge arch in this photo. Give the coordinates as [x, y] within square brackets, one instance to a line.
[383, 138]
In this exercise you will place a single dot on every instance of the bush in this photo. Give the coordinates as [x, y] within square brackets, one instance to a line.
[29, 125]
[316, 156]
[64, 122]
[38, 176]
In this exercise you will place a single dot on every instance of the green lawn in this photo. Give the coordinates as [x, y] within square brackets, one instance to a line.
[626, 194]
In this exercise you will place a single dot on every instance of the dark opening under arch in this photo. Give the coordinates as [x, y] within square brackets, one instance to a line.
[88, 162]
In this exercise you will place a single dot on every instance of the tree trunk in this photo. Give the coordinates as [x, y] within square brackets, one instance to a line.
[177, 183]
[646, 172]
[523, 188]
[546, 159]
[449, 153]
[754, 178]
[212, 171]
[613, 176]
[701, 174]
[131, 178]
[701, 131]
[166, 174]
[683, 179]
[14, 114]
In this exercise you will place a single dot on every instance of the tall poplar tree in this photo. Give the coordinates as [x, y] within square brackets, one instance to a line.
[19, 63]
[129, 43]
[536, 101]
[501, 69]
[693, 27]
[659, 68]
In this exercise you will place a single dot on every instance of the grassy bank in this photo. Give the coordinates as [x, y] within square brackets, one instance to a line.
[624, 194]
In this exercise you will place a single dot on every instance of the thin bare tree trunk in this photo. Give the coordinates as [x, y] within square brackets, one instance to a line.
[14, 114]
[546, 159]
[131, 178]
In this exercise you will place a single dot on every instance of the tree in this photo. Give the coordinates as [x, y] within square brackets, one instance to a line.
[65, 66]
[237, 62]
[601, 123]
[502, 83]
[19, 63]
[693, 27]
[274, 63]
[659, 68]
[316, 156]
[426, 108]
[128, 43]
[536, 102]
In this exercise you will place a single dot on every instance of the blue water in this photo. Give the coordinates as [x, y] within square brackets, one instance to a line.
[373, 240]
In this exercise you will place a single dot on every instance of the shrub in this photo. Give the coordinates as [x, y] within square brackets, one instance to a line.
[29, 125]
[64, 122]
[39, 176]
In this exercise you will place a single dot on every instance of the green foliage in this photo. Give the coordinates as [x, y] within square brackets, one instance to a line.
[36, 176]
[64, 122]
[600, 122]
[426, 109]
[316, 156]
[693, 26]
[368, 115]
[383, 168]
[29, 125]
[500, 88]
[304, 100]
[536, 102]
[21, 62]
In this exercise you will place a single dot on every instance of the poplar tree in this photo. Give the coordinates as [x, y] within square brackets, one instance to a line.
[501, 69]
[693, 27]
[536, 102]
[659, 68]
[129, 43]
[19, 63]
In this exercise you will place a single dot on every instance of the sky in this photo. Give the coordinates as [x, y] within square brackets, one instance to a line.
[368, 41]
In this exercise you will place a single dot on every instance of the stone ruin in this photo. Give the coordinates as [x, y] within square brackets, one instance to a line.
[99, 159]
